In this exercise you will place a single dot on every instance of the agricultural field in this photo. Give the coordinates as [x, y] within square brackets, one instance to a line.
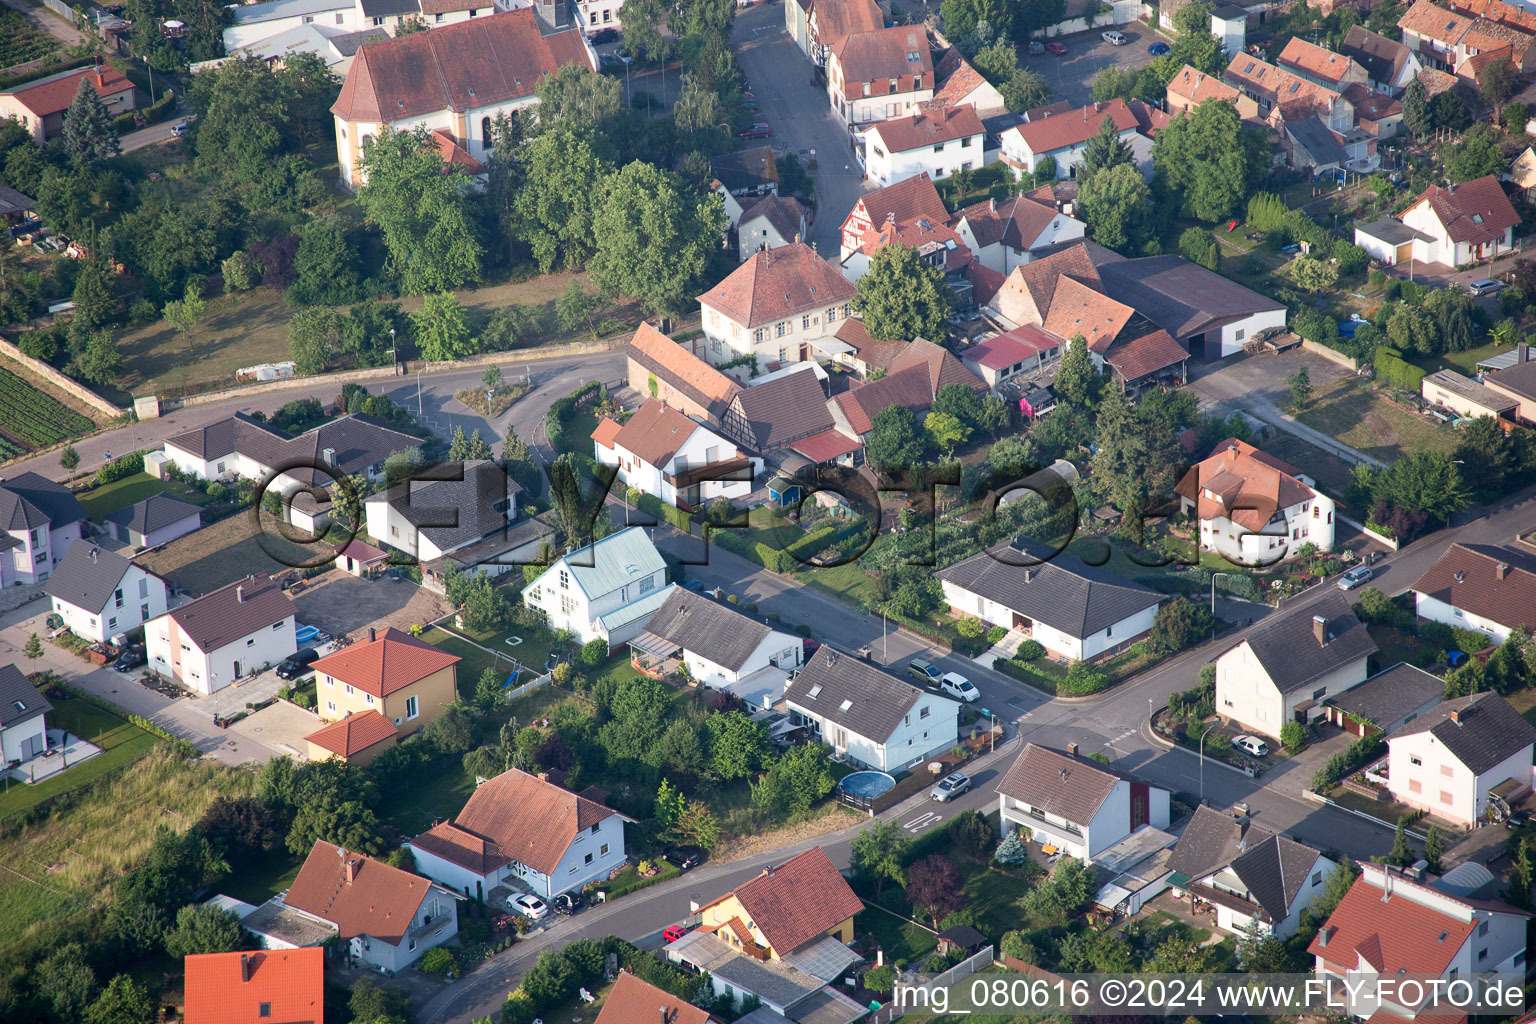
[20, 40]
[30, 419]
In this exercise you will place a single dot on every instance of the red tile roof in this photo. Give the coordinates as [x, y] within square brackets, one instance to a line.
[1077, 308]
[838, 18]
[1473, 212]
[1016, 221]
[798, 901]
[777, 283]
[924, 235]
[905, 200]
[1195, 87]
[1467, 577]
[959, 80]
[354, 734]
[1243, 475]
[1021, 343]
[459, 67]
[362, 552]
[1075, 127]
[461, 847]
[376, 900]
[929, 128]
[1315, 60]
[1428, 21]
[291, 982]
[942, 366]
[531, 821]
[1037, 280]
[1499, 11]
[908, 388]
[633, 1001]
[682, 369]
[826, 446]
[1391, 934]
[1144, 355]
[984, 282]
[655, 432]
[391, 662]
[455, 155]
[54, 94]
[877, 57]
[607, 430]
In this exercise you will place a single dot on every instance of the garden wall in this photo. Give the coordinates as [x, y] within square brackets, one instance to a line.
[60, 381]
[1333, 355]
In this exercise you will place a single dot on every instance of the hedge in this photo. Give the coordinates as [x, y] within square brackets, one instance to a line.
[153, 114]
[118, 468]
[1392, 369]
[1357, 755]
[659, 510]
[562, 409]
[1026, 673]
[182, 747]
[753, 551]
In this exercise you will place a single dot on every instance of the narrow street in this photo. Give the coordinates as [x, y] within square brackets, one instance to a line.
[800, 115]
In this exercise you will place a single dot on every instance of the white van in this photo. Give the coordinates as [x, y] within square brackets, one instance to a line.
[1114, 38]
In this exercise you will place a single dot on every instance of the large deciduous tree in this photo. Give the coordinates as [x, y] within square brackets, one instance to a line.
[1210, 160]
[895, 442]
[903, 296]
[560, 194]
[442, 329]
[1117, 204]
[422, 212]
[962, 17]
[933, 884]
[658, 237]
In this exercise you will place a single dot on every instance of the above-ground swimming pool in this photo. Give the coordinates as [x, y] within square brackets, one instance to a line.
[862, 787]
[306, 633]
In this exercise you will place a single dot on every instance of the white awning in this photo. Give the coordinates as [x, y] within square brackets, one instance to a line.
[831, 346]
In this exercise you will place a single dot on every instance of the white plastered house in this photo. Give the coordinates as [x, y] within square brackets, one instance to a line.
[606, 590]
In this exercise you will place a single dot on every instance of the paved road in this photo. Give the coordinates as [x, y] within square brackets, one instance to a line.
[553, 377]
[779, 76]
[153, 135]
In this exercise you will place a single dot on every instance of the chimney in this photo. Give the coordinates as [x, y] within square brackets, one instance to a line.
[992, 205]
[245, 967]
[1322, 935]
[373, 634]
[1029, 573]
[1522, 353]
[543, 776]
[329, 455]
[93, 555]
[1072, 749]
[240, 593]
[1456, 717]
[1500, 570]
[1320, 629]
[797, 238]
[351, 870]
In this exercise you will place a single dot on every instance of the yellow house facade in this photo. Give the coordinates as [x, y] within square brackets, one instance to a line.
[407, 681]
[784, 909]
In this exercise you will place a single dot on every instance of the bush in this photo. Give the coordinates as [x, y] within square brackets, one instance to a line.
[594, 652]
[241, 273]
[995, 634]
[969, 627]
[128, 465]
[973, 832]
[1029, 650]
[1293, 735]
[438, 960]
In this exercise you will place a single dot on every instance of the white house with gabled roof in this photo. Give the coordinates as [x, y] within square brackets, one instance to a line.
[606, 590]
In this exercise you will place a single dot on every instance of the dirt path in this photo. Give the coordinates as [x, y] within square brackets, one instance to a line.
[50, 23]
[834, 821]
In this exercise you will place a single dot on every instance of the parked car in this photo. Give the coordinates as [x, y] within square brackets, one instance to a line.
[1059, 49]
[604, 35]
[531, 907]
[757, 131]
[809, 647]
[1250, 745]
[298, 663]
[685, 857]
[1036, 47]
[693, 585]
[1355, 577]
[1518, 820]
[178, 130]
[957, 686]
[676, 932]
[130, 659]
[1158, 49]
[1114, 38]
[568, 903]
[1485, 286]
[951, 785]
[925, 672]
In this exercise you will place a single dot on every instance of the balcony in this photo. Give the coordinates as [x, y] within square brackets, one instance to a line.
[1034, 819]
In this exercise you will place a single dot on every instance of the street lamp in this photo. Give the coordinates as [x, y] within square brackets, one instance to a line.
[392, 358]
[1203, 735]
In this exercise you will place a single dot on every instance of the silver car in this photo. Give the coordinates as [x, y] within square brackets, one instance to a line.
[951, 785]
[1355, 577]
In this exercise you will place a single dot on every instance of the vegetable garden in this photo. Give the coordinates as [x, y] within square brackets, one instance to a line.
[20, 40]
[30, 419]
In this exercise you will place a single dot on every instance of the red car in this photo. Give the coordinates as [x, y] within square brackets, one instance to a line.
[1057, 48]
[757, 131]
[676, 932]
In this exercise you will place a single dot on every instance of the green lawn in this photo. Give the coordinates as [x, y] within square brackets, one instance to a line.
[899, 938]
[264, 879]
[120, 741]
[475, 662]
[130, 490]
[440, 791]
[1365, 419]
[1462, 362]
[994, 895]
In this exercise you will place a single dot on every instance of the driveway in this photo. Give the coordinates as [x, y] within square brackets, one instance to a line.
[342, 604]
[1071, 76]
[800, 115]
[281, 726]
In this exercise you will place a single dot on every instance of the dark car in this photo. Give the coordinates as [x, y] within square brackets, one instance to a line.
[685, 857]
[568, 903]
[298, 664]
[693, 585]
[1518, 820]
[1158, 49]
[604, 35]
[757, 131]
[130, 659]
[1056, 48]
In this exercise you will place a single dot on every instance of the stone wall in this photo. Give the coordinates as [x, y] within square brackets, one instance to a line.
[63, 383]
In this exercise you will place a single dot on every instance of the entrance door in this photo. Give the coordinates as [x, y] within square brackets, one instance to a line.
[1020, 622]
[237, 671]
[32, 746]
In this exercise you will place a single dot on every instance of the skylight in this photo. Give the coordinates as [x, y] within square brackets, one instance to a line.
[20, 705]
[845, 705]
[1477, 218]
[815, 690]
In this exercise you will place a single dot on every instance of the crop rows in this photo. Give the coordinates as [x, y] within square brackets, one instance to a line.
[20, 40]
[33, 419]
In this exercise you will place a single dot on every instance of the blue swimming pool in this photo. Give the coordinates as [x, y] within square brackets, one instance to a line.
[306, 633]
[867, 784]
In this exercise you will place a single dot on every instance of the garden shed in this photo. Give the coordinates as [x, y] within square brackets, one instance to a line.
[784, 492]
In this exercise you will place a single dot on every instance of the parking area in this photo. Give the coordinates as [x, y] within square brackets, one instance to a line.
[342, 604]
[1070, 76]
[281, 726]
